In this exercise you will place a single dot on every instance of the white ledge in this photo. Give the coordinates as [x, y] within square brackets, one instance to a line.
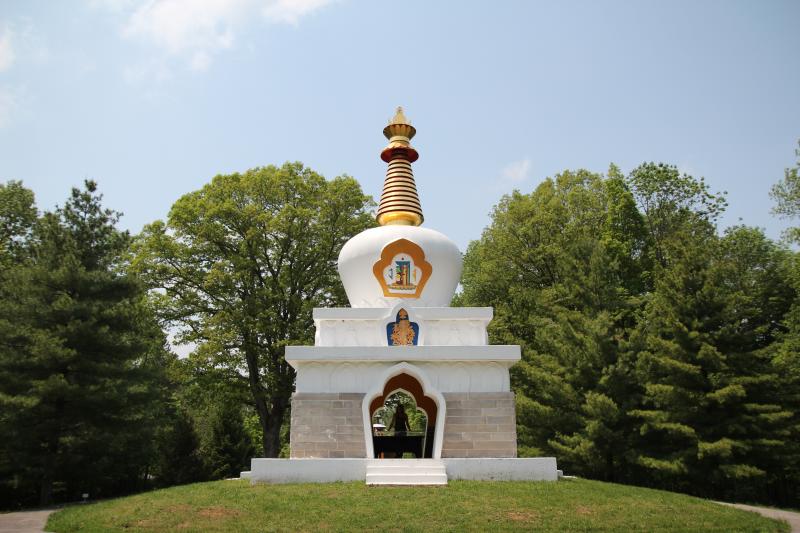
[495, 353]
[425, 313]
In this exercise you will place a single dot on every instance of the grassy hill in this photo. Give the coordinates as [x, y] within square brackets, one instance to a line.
[578, 505]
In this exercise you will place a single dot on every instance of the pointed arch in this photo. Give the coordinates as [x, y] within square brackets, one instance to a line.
[428, 391]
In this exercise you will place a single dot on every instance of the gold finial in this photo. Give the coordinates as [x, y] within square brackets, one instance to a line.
[399, 117]
[399, 131]
[399, 200]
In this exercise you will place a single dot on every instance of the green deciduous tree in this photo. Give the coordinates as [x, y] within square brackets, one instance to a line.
[17, 217]
[786, 194]
[241, 263]
[669, 201]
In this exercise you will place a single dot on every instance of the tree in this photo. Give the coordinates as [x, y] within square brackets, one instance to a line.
[17, 217]
[241, 263]
[786, 194]
[230, 448]
[77, 344]
[714, 417]
[668, 201]
[178, 459]
[648, 341]
[560, 268]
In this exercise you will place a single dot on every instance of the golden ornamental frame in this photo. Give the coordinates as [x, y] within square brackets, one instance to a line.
[417, 254]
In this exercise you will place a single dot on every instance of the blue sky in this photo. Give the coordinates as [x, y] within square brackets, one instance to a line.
[152, 99]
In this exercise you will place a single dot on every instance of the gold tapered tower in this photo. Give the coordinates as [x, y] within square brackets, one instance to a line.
[399, 200]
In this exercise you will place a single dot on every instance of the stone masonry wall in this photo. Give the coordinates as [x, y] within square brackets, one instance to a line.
[480, 425]
[327, 425]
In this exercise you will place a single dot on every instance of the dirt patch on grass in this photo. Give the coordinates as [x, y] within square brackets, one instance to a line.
[522, 516]
[584, 511]
[217, 512]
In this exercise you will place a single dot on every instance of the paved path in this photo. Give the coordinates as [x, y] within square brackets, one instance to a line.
[789, 516]
[25, 521]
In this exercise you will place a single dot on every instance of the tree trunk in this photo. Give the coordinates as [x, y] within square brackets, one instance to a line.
[46, 490]
[270, 418]
[272, 431]
[271, 421]
[48, 472]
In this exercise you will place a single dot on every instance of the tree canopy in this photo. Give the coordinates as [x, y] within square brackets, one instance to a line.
[649, 339]
[240, 265]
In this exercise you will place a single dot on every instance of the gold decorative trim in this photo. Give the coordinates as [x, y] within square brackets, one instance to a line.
[406, 279]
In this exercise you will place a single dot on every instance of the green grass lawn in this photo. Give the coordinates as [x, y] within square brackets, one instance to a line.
[578, 505]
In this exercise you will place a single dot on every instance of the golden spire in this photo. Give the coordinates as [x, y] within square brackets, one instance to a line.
[399, 200]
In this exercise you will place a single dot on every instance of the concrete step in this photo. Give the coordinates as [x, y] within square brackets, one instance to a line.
[406, 463]
[407, 479]
[406, 472]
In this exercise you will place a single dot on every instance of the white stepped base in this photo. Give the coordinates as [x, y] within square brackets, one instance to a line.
[331, 470]
[406, 472]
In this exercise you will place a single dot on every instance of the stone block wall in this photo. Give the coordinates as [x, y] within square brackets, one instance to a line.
[327, 425]
[480, 424]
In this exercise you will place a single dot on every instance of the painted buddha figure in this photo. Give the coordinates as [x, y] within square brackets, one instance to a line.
[402, 332]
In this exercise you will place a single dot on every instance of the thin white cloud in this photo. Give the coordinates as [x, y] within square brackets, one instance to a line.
[7, 55]
[517, 171]
[195, 31]
[291, 11]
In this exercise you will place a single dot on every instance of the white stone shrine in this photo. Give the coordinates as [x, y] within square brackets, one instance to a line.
[401, 335]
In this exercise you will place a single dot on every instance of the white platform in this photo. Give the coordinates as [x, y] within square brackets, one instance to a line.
[330, 470]
[406, 472]
[438, 326]
[503, 354]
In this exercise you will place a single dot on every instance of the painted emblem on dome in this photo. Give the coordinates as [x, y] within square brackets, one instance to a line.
[402, 270]
[402, 332]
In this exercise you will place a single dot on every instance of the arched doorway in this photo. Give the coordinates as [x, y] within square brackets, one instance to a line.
[419, 441]
[391, 438]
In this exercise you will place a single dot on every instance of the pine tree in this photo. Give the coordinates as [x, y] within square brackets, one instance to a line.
[75, 336]
[712, 414]
[179, 460]
[230, 449]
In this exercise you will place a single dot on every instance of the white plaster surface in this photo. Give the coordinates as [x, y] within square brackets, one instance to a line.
[444, 326]
[495, 353]
[330, 470]
[361, 252]
[361, 376]
[307, 470]
[503, 469]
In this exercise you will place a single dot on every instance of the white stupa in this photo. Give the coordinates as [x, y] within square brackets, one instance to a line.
[400, 334]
